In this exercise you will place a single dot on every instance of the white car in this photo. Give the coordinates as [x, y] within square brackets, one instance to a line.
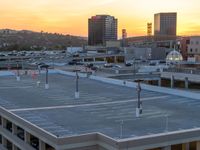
[117, 66]
[108, 65]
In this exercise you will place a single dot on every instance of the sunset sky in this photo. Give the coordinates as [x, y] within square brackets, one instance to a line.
[71, 16]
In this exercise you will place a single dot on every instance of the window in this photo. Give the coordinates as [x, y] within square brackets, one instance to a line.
[190, 49]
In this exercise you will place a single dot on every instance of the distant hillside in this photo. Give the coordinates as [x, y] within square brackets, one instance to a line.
[29, 40]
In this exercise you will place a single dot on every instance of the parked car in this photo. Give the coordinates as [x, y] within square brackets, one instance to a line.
[128, 64]
[108, 65]
[117, 66]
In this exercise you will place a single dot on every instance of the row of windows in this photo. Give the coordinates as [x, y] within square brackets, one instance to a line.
[194, 42]
[20, 133]
[194, 50]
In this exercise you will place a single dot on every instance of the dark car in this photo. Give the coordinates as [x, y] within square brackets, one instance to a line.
[128, 64]
[72, 63]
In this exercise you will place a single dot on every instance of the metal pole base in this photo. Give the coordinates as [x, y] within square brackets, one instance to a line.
[46, 86]
[18, 78]
[77, 95]
[137, 112]
[38, 83]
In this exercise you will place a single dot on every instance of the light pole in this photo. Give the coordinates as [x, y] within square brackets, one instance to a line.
[47, 79]
[167, 123]
[47, 76]
[134, 72]
[139, 104]
[77, 95]
[18, 76]
[121, 129]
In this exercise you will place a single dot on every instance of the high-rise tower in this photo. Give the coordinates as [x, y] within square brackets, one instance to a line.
[101, 28]
[165, 24]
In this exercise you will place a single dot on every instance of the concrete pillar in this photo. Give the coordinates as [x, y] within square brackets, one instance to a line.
[4, 122]
[14, 129]
[94, 59]
[198, 145]
[115, 59]
[14, 147]
[27, 137]
[116, 71]
[104, 59]
[159, 82]
[83, 60]
[186, 82]
[166, 148]
[4, 141]
[42, 145]
[172, 81]
[186, 146]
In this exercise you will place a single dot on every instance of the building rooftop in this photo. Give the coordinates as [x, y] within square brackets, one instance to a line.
[102, 107]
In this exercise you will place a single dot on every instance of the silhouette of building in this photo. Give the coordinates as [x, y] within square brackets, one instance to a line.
[124, 37]
[165, 24]
[102, 28]
[149, 29]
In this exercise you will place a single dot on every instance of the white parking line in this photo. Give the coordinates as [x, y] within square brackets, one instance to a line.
[86, 105]
[16, 87]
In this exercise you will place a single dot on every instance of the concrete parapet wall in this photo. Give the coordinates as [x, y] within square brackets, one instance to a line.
[6, 73]
[82, 75]
[148, 87]
[181, 76]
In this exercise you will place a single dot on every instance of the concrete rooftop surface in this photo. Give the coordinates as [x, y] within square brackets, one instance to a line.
[102, 107]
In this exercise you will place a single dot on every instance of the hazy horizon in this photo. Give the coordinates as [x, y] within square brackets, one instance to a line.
[71, 17]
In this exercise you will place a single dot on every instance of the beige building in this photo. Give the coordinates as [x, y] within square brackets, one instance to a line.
[194, 47]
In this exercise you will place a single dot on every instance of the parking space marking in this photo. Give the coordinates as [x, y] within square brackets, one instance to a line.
[88, 105]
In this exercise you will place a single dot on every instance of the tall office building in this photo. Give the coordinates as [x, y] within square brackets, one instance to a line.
[149, 29]
[124, 34]
[165, 24]
[102, 28]
[124, 37]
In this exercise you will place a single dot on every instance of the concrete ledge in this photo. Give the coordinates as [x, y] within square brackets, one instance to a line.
[6, 73]
[148, 87]
[181, 76]
[82, 75]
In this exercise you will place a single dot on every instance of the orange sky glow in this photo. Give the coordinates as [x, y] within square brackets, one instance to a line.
[71, 16]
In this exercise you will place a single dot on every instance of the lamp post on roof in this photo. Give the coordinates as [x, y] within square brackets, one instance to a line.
[139, 102]
[134, 71]
[47, 75]
[77, 94]
[18, 76]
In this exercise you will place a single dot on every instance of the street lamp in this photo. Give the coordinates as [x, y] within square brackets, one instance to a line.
[18, 76]
[77, 95]
[139, 103]
[134, 66]
[47, 77]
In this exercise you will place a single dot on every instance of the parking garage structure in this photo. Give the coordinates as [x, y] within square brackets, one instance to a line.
[35, 118]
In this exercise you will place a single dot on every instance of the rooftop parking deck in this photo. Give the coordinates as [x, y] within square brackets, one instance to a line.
[102, 107]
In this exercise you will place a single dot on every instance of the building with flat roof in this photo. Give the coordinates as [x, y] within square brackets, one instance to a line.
[194, 47]
[102, 28]
[103, 118]
[165, 24]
